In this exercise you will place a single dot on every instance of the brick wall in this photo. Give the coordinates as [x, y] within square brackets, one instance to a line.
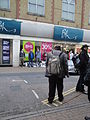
[51, 16]
[86, 14]
[9, 13]
[25, 15]
[58, 14]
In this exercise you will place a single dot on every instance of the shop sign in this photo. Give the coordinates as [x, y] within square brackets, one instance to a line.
[68, 34]
[5, 51]
[9, 27]
[27, 46]
[45, 48]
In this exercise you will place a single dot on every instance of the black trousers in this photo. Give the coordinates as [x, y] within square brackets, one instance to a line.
[80, 84]
[89, 93]
[55, 82]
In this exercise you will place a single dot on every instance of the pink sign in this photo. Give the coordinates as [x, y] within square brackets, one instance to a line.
[28, 46]
[45, 48]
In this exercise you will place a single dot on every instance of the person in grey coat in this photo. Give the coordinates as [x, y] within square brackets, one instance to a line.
[56, 80]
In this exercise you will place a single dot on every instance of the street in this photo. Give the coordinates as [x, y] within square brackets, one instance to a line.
[28, 92]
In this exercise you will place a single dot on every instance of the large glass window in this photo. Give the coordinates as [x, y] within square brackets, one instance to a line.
[89, 18]
[5, 4]
[36, 7]
[68, 10]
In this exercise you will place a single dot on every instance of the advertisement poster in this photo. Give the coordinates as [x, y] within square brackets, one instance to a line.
[45, 48]
[5, 51]
[27, 46]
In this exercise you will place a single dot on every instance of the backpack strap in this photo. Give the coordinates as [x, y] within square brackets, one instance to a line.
[60, 54]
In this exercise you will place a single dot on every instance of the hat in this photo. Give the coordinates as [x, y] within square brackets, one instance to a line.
[57, 47]
[85, 46]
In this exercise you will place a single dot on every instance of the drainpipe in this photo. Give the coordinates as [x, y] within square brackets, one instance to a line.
[53, 11]
[17, 8]
[82, 14]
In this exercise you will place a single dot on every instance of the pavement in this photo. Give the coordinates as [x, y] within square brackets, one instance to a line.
[74, 107]
[21, 69]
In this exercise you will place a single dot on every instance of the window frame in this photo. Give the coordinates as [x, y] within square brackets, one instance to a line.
[7, 9]
[68, 11]
[36, 5]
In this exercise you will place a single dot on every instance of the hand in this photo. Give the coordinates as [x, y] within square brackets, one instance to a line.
[68, 75]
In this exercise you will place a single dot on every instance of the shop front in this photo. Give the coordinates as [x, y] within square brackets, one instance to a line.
[69, 37]
[9, 33]
[20, 34]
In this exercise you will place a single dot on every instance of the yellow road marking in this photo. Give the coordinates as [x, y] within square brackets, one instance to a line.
[59, 102]
[55, 104]
[64, 94]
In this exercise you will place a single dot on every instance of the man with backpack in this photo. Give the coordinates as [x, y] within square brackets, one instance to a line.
[56, 75]
[31, 57]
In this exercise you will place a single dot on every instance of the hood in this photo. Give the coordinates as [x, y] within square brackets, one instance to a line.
[56, 52]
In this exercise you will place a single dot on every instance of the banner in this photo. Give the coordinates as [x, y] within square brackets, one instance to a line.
[27, 46]
[45, 48]
[68, 34]
[5, 51]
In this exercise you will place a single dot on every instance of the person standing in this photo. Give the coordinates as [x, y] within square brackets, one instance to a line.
[83, 56]
[38, 57]
[31, 57]
[88, 84]
[22, 56]
[56, 80]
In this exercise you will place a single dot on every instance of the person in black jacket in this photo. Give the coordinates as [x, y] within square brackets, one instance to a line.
[56, 80]
[31, 57]
[83, 56]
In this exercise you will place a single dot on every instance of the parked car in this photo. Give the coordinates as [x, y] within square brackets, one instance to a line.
[71, 67]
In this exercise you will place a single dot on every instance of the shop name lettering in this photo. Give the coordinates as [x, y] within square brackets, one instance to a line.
[65, 35]
[3, 28]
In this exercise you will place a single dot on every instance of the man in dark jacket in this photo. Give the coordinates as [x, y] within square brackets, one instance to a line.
[56, 80]
[83, 67]
[31, 57]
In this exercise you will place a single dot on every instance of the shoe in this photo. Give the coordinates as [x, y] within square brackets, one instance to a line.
[78, 90]
[50, 102]
[87, 118]
[61, 99]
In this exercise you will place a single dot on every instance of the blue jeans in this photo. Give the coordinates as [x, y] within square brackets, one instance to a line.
[31, 62]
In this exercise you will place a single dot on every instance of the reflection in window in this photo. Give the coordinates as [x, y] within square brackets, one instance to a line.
[36, 7]
[5, 4]
[68, 10]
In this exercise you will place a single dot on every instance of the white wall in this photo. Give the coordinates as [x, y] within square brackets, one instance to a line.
[16, 50]
[37, 29]
[86, 37]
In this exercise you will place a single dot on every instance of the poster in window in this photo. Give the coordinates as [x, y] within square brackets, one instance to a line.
[6, 51]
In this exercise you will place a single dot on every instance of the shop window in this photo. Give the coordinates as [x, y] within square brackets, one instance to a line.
[36, 7]
[89, 19]
[5, 4]
[68, 10]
